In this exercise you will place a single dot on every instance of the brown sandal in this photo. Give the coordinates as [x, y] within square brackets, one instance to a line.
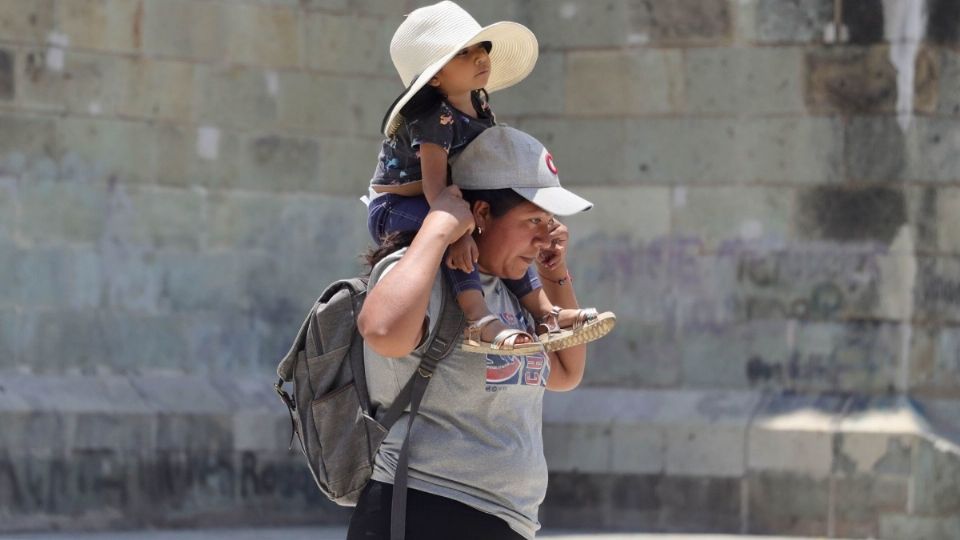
[587, 326]
[504, 343]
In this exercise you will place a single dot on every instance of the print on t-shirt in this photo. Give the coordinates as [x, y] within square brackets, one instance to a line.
[504, 371]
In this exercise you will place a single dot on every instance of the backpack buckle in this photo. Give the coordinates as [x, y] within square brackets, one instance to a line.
[284, 396]
[424, 373]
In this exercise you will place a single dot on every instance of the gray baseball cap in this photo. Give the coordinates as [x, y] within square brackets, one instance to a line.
[504, 157]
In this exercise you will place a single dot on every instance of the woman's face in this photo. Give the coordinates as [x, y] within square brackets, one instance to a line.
[510, 243]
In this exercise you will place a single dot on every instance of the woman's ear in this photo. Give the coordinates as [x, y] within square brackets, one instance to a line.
[481, 213]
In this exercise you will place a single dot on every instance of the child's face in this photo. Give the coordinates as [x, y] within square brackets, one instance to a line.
[467, 71]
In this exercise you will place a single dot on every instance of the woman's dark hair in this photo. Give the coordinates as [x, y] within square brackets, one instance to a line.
[388, 244]
[501, 201]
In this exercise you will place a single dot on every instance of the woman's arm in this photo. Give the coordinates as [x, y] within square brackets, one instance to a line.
[567, 365]
[391, 320]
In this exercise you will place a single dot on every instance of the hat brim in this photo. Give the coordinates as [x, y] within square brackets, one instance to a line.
[512, 58]
[556, 200]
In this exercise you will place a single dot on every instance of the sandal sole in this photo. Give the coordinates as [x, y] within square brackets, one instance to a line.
[514, 351]
[571, 338]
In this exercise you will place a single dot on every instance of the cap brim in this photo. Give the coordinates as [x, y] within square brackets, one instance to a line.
[556, 200]
[513, 57]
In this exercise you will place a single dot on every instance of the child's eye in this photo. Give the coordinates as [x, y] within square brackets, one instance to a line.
[536, 221]
[463, 52]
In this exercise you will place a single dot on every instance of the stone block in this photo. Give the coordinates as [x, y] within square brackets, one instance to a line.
[540, 93]
[484, 11]
[70, 81]
[197, 156]
[949, 90]
[9, 330]
[936, 477]
[635, 214]
[98, 150]
[7, 74]
[261, 431]
[947, 216]
[919, 527]
[158, 90]
[744, 80]
[278, 163]
[231, 344]
[27, 22]
[583, 23]
[731, 357]
[635, 82]
[61, 212]
[366, 117]
[942, 27]
[877, 150]
[861, 453]
[579, 448]
[566, 139]
[186, 29]
[791, 21]
[716, 214]
[861, 502]
[9, 274]
[349, 44]
[787, 503]
[860, 357]
[244, 220]
[156, 217]
[346, 164]
[128, 432]
[264, 35]
[179, 432]
[31, 431]
[683, 21]
[315, 103]
[646, 355]
[51, 277]
[862, 80]
[76, 394]
[793, 436]
[210, 281]
[113, 25]
[700, 504]
[238, 97]
[719, 150]
[866, 214]
[937, 290]
[28, 147]
[8, 209]
[68, 341]
[705, 451]
[139, 343]
[630, 501]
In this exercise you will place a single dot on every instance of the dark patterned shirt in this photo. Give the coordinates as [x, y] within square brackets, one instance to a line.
[442, 125]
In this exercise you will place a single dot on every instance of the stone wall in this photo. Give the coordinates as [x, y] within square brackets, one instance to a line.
[777, 186]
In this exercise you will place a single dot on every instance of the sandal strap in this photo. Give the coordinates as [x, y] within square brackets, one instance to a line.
[509, 337]
[585, 317]
[483, 321]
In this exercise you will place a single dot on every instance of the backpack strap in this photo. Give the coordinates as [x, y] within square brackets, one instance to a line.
[439, 346]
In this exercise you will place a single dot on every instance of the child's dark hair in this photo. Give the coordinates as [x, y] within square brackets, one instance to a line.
[428, 97]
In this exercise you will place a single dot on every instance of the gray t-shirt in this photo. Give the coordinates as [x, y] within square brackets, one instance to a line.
[477, 438]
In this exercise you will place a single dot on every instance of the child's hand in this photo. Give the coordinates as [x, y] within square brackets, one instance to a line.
[462, 254]
[555, 255]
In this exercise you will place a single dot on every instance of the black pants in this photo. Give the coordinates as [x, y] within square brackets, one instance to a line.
[429, 517]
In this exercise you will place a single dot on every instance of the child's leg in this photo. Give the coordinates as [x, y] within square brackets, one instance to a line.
[391, 213]
[469, 295]
[530, 292]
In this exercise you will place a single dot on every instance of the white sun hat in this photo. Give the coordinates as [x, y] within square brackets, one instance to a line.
[503, 157]
[432, 35]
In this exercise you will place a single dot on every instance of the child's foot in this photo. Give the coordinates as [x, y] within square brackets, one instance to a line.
[565, 328]
[489, 335]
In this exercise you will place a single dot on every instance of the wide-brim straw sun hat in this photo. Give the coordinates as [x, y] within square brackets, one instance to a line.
[430, 37]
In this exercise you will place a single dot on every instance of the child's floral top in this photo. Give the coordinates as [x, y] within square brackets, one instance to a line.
[442, 125]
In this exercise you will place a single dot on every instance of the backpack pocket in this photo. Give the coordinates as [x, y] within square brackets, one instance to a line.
[348, 441]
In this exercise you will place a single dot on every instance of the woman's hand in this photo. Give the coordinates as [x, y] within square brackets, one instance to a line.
[463, 254]
[450, 212]
[553, 258]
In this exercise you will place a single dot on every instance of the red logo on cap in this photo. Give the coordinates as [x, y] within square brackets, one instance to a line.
[550, 164]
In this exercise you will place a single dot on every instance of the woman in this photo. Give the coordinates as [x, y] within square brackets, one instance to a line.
[476, 467]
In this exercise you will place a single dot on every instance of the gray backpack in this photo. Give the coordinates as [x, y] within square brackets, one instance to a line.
[338, 429]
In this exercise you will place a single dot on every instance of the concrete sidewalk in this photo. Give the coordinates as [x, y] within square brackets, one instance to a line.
[339, 533]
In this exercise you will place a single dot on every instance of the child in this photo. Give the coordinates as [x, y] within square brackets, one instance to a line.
[448, 63]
